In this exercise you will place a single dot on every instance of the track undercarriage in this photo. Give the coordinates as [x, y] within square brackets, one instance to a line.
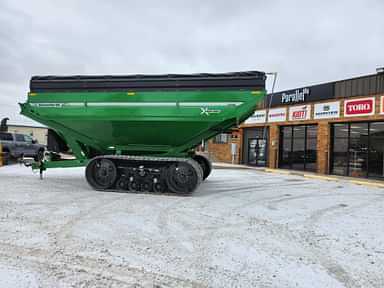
[147, 174]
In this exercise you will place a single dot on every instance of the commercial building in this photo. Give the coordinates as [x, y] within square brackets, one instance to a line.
[331, 128]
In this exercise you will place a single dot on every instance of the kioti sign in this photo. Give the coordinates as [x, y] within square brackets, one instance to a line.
[359, 107]
[297, 113]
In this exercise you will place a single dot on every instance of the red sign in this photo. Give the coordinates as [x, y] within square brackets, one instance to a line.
[382, 105]
[299, 115]
[302, 112]
[359, 107]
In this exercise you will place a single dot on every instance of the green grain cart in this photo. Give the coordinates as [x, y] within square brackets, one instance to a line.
[138, 132]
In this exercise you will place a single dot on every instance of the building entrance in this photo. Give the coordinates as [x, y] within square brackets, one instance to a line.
[256, 150]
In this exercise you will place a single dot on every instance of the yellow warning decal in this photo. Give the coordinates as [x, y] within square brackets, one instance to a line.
[255, 92]
[131, 93]
[32, 94]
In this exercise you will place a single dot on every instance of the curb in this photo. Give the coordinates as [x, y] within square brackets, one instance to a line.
[230, 166]
[362, 182]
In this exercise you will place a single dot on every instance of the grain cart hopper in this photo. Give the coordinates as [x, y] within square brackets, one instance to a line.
[138, 132]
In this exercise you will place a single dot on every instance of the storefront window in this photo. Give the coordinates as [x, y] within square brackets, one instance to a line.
[357, 149]
[341, 130]
[376, 150]
[222, 138]
[298, 148]
[285, 151]
[311, 154]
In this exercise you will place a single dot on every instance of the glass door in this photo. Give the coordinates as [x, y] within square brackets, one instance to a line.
[257, 152]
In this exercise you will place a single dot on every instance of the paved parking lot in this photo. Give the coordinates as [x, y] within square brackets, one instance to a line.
[242, 228]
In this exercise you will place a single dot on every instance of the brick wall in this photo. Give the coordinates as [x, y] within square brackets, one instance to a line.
[273, 146]
[222, 152]
[323, 145]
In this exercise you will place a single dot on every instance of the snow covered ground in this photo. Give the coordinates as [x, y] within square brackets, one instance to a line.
[242, 228]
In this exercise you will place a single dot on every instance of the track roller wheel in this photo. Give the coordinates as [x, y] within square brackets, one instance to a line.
[158, 187]
[204, 163]
[183, 177]
[101, 174]
[146, 187]
[122, 183]
[133, 186]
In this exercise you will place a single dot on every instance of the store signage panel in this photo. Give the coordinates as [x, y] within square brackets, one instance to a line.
[298, 113]
[302, 95]
[277, 115]
[257, 117]
[297, 96]
[327, 110]
[382, 105]
[359, 107]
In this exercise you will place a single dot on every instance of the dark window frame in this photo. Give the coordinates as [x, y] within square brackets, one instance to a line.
[367, 156]
[289, 162]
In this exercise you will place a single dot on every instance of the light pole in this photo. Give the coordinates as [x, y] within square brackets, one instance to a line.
[268, 106]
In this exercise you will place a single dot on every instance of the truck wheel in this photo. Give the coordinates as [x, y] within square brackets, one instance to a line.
[205, 165]
[101, 173]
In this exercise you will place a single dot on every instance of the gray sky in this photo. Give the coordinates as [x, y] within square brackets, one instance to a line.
[306, 42]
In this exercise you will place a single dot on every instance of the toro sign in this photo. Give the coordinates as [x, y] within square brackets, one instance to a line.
[359, 107]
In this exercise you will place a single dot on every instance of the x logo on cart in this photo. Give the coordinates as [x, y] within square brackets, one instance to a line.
[207, 111]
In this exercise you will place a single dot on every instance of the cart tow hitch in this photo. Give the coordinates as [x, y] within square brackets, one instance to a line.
[30, 162]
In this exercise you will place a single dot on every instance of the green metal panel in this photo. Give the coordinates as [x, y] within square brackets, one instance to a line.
[163, 123]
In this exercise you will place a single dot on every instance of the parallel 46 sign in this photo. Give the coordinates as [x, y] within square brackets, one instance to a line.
[359, 107]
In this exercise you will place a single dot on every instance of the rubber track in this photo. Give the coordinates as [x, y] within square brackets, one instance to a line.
[190, 161]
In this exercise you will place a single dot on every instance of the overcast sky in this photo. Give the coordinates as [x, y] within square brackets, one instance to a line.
[306, 42]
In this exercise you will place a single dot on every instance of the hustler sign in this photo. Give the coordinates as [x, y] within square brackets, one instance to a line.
[327, 110]
[299, 95]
